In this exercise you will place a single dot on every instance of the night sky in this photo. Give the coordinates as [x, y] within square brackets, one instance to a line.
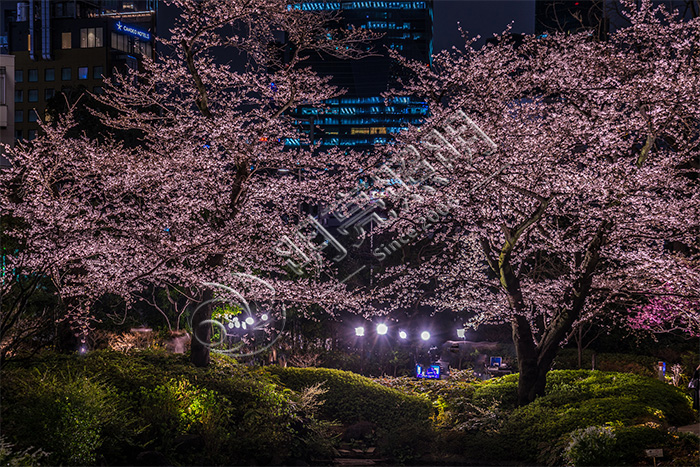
[480, 17]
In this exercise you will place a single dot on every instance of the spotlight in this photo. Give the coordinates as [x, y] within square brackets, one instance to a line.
[359, 331]
[402, 334]
[382, 329]
[243, 325]
[264, 317]
[425, 335]
[249, 320]
[237, 324]
[460, 333]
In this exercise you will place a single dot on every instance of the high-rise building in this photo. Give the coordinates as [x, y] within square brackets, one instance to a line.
[571, 16]
[361, 117]
[69, 46]
[7, 104]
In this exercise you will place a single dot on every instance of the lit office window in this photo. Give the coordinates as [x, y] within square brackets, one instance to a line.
[66, 40]
[83, 72]
[90, 38]
[19, 116]
[97, 72]
[19, 95]
[33, 76]
[49, 93]
[33, 95]
[49, 74]
[19, 76]
[65, 74]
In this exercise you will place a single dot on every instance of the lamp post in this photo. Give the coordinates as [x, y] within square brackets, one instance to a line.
[360, 332]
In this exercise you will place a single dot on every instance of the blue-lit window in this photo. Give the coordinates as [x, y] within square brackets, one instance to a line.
[83, 72]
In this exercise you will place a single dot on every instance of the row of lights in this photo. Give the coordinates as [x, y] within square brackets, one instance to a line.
[382, 329]
[249, 321]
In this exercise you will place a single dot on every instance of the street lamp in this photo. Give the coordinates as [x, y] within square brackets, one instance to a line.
[403, 335]
[382, 329]
[249, 320]
[359, 331]
[460, 333]
[425, 335]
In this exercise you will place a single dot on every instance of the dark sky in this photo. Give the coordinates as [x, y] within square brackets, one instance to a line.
[480, 17]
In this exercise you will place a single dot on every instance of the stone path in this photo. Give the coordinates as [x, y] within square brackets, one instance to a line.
[690, 429]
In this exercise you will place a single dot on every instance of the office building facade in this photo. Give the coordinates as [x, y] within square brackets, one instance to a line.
[68, 47]
[361, 117]
[7, 104]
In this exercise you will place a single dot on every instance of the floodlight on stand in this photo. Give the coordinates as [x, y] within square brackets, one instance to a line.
[402, 334]
[425, 335]
[382, 329]
[359, 331]
[249, 320]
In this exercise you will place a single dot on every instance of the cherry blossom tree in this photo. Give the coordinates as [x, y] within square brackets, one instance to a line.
[586, 167]
[200, 197]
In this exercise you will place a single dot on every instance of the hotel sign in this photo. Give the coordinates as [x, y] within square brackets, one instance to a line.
[131, 30]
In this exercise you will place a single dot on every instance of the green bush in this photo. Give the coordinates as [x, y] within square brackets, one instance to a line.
[28, 457]
[626, 445]
[352, 398]
[107, 407]
[75, 418]
[503, 389]
[577, 399]
[594, 445]
[643, 365]
[402, 420]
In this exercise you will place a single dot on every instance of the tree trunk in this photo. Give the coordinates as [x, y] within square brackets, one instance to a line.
[201, 333]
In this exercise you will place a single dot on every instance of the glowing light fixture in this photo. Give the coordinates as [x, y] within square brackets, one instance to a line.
[402, 334]
[425, 335]
[264, 317]
[382, 329]
[249, 320]
[359, 331]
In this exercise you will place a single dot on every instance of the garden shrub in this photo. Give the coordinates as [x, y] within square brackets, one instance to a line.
[75, 418]
[503, 389]
[352, 398]
[151, 402]
[28, 457]
[577, 399]
[403, 420]
[626, 445]
[594, 445]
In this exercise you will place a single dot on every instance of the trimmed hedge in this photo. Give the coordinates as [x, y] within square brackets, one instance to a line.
[352, 398]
